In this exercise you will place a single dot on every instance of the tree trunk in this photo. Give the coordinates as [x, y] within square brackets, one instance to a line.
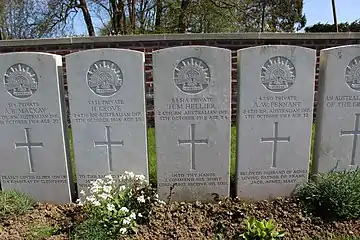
[181, 24]
[87, 17]
[116, 17]
[159, 9]
[131, 7]
[123, 15]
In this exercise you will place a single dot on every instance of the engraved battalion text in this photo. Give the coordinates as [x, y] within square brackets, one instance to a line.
[106, 111]
[275, 107]
[192, 108]
[28, 113]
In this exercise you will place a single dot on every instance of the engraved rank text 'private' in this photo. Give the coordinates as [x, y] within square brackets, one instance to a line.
[104, 78]
[192, 75]
[278, 74]
[29, 145]
[193, 141]
[355, 134]
[108, 143]
[275, 141]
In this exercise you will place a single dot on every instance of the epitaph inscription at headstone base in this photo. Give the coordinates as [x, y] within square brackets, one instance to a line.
[338, 116]
[107, 108]
[192, 121]
[34, 154]
[276, 91]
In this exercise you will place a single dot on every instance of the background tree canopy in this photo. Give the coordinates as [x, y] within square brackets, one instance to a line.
[21, 19]
[343, 27]
[52, 18]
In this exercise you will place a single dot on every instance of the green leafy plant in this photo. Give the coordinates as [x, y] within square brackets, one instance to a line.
[14, 203]
[90, 229]
[37, 232]
[261, 230]
[119, 205]
[333, 195]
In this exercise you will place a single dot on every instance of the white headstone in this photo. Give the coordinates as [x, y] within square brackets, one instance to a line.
[338, 116]
[34, 154]
[108, 114]
[275, 112]
[192, 121]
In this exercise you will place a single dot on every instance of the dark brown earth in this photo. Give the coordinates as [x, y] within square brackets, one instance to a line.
[60, 217]
[190, 221]
[204, 221]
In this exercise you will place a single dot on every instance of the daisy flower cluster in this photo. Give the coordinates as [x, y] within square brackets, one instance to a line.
[120, 204]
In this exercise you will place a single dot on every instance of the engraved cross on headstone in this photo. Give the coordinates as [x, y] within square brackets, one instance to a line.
[193, 141]
[28, 145]
[354, 132]
[108, 144]
[275, 140]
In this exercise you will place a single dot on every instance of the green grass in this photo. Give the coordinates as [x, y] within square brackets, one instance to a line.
[312, 146]
[72, 155]
[13, 203]
[152, 155]
[39, 232]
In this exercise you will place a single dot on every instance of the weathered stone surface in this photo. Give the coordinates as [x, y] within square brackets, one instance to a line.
[192, 121]
[107, 105]
[34, 154]
[275, 108]
[337, 125]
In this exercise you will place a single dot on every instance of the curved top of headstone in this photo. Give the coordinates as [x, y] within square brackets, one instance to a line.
[104, 51]
[352, 46]
[28, 56]
[276, 46]
[30, 53]
[190, 47]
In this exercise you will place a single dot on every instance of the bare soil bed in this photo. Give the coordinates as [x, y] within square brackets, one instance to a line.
[188, 221]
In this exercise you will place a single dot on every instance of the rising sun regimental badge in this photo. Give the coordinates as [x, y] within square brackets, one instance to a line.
[278, 74]
[20, 81]
[352, 74]
[104, 78]
[192, 75]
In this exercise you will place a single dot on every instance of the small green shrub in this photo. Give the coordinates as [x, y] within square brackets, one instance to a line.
[261, 230]
[90, 229]
[39, 232]
[14, 203]
[120, 205]
[334, 195]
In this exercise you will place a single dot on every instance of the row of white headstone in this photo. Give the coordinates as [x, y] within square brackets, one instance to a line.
[192, 87]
